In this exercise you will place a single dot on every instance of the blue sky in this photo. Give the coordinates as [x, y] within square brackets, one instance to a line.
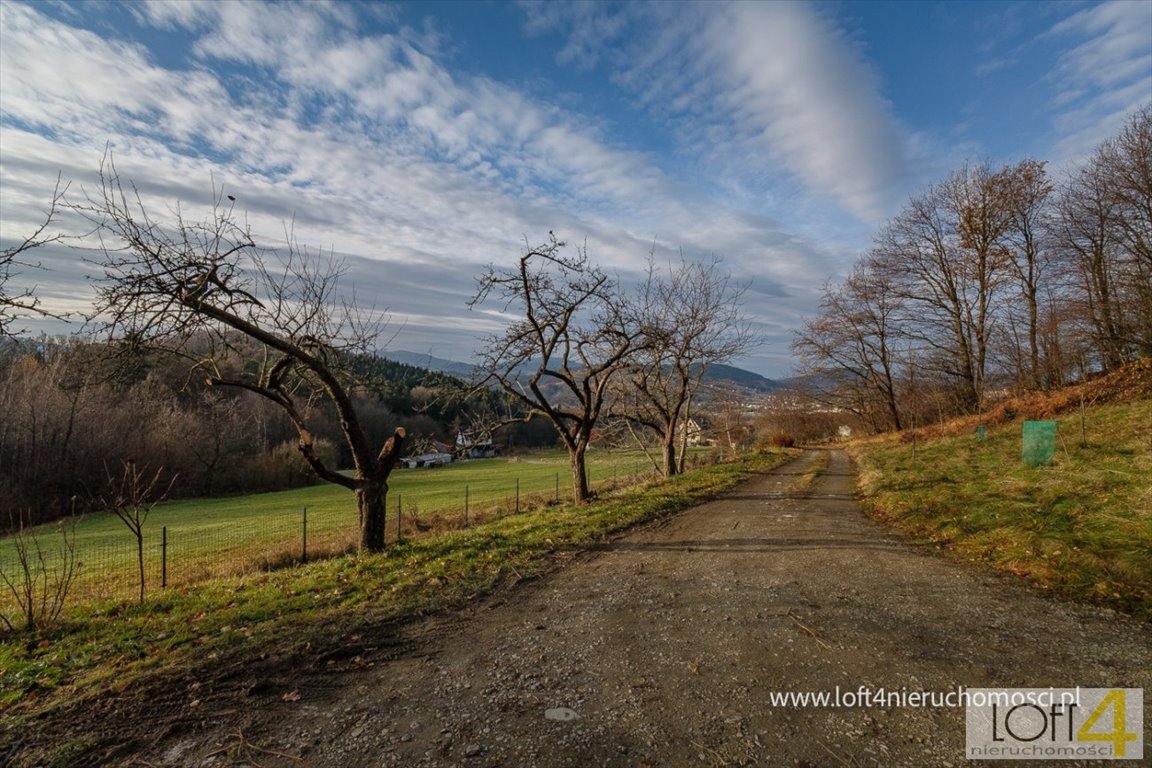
[422, 141]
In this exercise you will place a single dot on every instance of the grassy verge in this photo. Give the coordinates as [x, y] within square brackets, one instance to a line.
[1081, 527]
[107, 649]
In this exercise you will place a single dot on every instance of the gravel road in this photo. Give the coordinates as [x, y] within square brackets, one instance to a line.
[664, 647]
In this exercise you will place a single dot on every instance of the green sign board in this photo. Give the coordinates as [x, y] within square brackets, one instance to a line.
[1039, 443]
[980, 433]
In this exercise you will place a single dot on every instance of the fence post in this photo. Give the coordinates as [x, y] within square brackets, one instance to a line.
[1083, 432]
[164, 557]
[304, 539]
[517, 495]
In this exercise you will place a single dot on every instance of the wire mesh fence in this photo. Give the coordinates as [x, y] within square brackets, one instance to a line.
[113, 564]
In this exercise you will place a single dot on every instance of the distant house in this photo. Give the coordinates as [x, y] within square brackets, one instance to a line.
[471, 446]
[693, 431]
[432, 459]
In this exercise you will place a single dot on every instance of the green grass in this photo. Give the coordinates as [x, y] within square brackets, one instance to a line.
[110, 644]
[208, 538]
[1081, 527]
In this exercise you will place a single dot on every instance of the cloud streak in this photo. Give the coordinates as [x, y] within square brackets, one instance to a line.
[759, 86]
[1106, 71]
[798, 91]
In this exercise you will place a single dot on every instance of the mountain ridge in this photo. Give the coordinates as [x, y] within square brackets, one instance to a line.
[717, 373]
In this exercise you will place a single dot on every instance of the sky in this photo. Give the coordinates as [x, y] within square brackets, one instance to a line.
[422, 141]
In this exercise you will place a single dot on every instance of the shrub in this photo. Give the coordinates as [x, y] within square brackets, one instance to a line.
[284, 467]
[38, 578]
[783, 440]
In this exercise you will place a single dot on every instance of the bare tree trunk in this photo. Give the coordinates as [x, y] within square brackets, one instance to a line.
[371, 498]
[1034, 342]
[581, 492]
[671, 467]
[140, 560]
[684, 438]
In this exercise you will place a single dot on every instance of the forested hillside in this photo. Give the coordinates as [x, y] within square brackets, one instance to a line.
[73, 411]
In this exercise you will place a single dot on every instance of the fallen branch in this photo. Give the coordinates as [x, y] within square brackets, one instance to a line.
[808, 629]
[839, 759]
[723, 760]
[244, 749]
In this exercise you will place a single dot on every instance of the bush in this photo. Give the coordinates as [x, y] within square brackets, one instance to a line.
[783, 440]
[38, 578]
[284, 467]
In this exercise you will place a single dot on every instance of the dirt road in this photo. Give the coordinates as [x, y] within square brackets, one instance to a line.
[664, 649]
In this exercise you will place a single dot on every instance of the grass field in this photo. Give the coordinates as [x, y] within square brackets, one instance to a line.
[208, 538]
[1081, 527]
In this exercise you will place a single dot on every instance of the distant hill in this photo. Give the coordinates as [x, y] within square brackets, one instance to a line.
[717, 374]
[428, 362]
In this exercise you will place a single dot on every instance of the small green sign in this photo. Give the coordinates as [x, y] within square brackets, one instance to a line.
[980, 433]
[1039, 443]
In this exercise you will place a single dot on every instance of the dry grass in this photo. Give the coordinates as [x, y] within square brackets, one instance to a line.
[1081, 527]
[1132, 382]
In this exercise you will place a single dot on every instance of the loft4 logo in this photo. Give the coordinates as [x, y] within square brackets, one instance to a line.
[1027, 722]
[1054, 723]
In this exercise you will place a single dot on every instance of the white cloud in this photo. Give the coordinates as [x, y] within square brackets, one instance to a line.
[758, 87]
[1104, 76]
[1117, 48]
[591, 27]
[986, 68]
[816, 105]
[73, 83]
[173, 14]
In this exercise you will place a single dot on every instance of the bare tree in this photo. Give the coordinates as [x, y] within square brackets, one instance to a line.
[1089, 247]
[131, 495]
[18, 304]
[1025, 191]
[269, 321]
[992, 270]
[690, 318]
[571, 336]
[1127, 163]
[848, 351]
[946, 253]
[1102, 236]
[727, 411]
